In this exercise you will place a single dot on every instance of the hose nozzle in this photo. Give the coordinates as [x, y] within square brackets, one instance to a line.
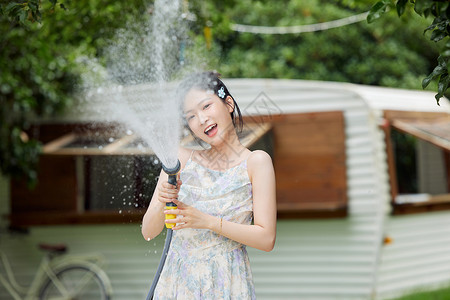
[172, 172]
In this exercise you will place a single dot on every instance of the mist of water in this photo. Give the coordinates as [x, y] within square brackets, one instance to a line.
[136, 87]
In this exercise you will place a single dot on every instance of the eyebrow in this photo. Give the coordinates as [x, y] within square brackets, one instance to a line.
[201, 101]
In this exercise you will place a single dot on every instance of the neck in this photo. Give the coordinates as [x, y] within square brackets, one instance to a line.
[229, 151]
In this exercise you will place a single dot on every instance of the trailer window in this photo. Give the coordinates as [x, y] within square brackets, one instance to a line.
[420, 162]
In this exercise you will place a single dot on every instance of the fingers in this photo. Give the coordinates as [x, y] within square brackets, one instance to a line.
[178, 219]
[180, 204]
[168, 192]
[180, 222]
[174, 212]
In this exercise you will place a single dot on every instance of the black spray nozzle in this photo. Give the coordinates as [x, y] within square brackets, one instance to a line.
[172, 172]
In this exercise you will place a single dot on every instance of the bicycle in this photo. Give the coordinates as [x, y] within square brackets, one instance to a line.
[61, 277]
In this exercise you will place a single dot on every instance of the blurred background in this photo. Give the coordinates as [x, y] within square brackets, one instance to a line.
[361, 151]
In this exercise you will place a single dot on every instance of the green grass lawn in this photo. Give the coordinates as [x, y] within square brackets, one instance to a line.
[441, 294]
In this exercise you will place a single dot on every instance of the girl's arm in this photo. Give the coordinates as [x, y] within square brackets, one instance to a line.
[261, 235]
[153, 221]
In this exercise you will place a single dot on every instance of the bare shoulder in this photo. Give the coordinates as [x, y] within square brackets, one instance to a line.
[259, 157]
[259, 162]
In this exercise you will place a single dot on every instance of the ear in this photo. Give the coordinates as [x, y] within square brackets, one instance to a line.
[230, 103]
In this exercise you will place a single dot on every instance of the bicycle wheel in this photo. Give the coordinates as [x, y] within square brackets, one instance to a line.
[74, 282]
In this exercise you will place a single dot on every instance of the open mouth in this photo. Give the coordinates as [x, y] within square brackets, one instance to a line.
[211, 130]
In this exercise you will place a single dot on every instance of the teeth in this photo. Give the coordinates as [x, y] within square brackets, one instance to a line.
[209, 128]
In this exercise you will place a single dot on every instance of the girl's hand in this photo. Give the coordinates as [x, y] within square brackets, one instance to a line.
[189, 217]
[168, 192]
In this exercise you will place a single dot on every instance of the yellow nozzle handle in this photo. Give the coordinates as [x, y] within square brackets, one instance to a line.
[170, 216]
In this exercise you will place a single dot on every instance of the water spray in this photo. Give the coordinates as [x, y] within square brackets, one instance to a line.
[172, 172]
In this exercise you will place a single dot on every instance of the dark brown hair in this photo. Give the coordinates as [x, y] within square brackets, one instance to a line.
[210, 81]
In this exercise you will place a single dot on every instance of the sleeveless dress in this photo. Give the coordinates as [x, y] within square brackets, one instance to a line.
[200, 263]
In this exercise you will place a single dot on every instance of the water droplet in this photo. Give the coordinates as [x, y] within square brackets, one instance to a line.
[120, 211]
[129, 132]
[123, 176]
[111, 139]
[148, 239]
[100, 147]
[124, 186]
[156, 252]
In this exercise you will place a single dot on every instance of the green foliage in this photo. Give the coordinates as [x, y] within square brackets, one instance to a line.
[40, 67]
[440, 31]
[393, 54]
[24, 12]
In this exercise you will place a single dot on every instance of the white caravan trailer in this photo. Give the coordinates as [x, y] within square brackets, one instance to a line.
[351, 224]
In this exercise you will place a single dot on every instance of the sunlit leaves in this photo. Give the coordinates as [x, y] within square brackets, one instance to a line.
[440, 30]
[378, 10]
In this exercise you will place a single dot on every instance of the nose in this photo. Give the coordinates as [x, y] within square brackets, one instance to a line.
[202, 118]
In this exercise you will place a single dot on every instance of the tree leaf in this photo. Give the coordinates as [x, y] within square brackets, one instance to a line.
[10, 7]
[420, 6]
[401, 7]
[23, 16]
[433, 24]
[442, 87]
[377, 10]
[438, 35]
[440, 69]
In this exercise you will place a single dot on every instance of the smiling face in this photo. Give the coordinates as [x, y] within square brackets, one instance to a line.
[208, 116]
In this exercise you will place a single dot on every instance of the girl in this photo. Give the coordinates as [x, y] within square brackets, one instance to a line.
[221, 190]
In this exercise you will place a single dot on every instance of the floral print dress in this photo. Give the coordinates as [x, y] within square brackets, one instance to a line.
[202, 264]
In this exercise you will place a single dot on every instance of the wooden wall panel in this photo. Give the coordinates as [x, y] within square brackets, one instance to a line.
[309, 160]
[56, 189]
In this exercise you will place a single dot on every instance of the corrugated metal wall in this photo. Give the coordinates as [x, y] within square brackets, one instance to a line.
[419, 255]
[312, 259]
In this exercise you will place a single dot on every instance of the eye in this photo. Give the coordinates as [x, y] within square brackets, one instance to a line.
[189, 117]
[206, 106]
